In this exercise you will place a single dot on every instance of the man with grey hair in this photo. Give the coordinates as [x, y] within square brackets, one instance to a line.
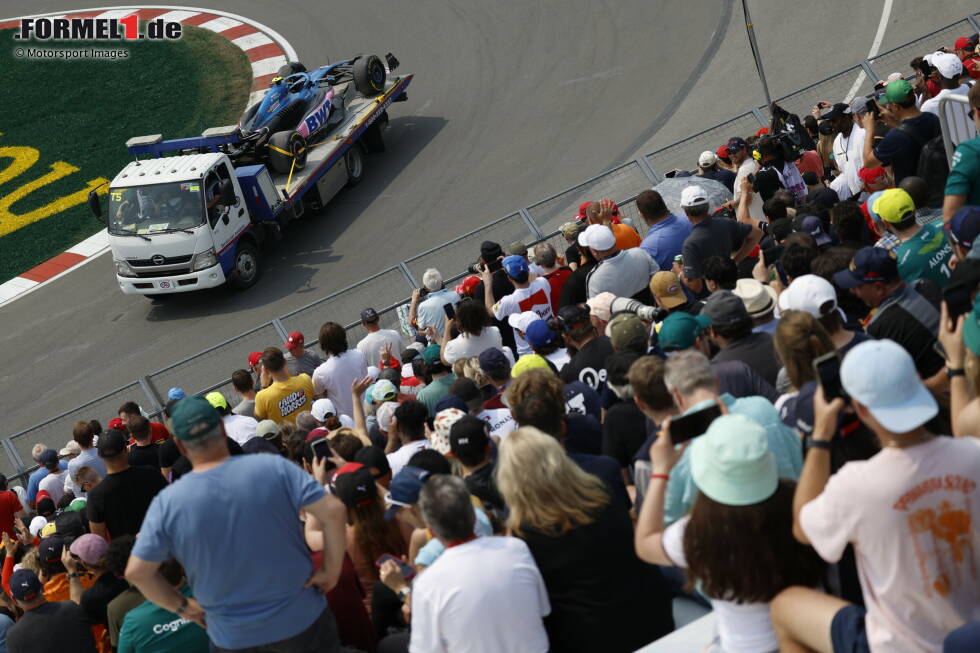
[547, 259]
[306, 422]
[34, 482]
[478, 584]
[430, 311]
[274, 606]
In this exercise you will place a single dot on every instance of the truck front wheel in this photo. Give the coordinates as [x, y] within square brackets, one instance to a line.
[246, 266]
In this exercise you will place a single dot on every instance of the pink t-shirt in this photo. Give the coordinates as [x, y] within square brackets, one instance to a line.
[910, 515]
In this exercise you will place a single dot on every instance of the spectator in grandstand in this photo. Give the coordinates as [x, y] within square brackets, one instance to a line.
[285, 395]
[570, 231]
[142, 451]
[923, 252]
[476, 586]
[44, 626]
[242, 381]
[116, 506]
[115, 561]
[130, 410]
[740, 495]
[901, 314]
[581, 542]
[54, 482]
[624, 273]
[797, 258]
[376, 339]
[148, 627]
[746, 165]
[574, 291]
[771, 158]
[91, 550]
[545, 342]
[665, 231]
[406, 433]
[279, 604]
[429, 311]
[668, 293]
[817, 296]
[601, 213]
[469, 443]
[959, 117]
[894, 519]
[588, 362]
[239, 428]
[82, 434]
[527, 295]
[720, 273]
[299, 360]
[34, 481]
[918, 189]
[962, 231]
[624, 425]
[334, 377]
[799, 340]
[963, 183]
[911, 129]
[848, 224]
[547, 259]
[442, 377]
[475, 333]
[731, 330]
[711, 236]
[709, 169]
[848, 146]
[965, 48]
[760, 303]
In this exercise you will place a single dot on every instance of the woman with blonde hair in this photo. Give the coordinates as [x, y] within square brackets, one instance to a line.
[603, 598]
[798, 340]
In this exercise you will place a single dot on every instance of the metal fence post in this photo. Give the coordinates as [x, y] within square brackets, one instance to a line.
[761, 118]
[15, 460]
[151, 394]
[973, 23]
[413, 284]
[280, 329]
[535, 232]
[647, 170]
[869, 71]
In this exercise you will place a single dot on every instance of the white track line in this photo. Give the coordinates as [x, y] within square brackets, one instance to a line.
[886, 11]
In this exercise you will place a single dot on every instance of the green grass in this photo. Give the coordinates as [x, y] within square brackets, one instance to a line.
[81, 112]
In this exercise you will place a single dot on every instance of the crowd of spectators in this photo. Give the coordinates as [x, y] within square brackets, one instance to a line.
[770, 406]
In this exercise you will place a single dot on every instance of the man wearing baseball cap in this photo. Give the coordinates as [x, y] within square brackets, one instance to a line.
[711, 236]
[901, 314]
[528, 295]
[950, 70]
[963, 231]
[917, 577]
[745, 165]
[606, 212]
[911, 129]
[731, 330]
[817, 296]
[376, 338]
[272, 605]
[57, 626]
[299, 360]
[923, 251]
[624, 273]
[668, 293]
[709, 169]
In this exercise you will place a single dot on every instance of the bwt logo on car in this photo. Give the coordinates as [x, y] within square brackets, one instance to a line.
[315, 120]
[96, 29]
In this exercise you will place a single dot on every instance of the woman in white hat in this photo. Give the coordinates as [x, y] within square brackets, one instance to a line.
[737, 542]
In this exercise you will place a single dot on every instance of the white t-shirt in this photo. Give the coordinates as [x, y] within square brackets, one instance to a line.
[961, 127]
[743, 627]
[484, 596]
[371, 344]
[559, 357]
[912, 517]
[54, 484]
[400, 458]
[536, 297]
[335, 376]
[239, 428]
[849, 157]
[500, 420]
[748, 167]
[466, 345]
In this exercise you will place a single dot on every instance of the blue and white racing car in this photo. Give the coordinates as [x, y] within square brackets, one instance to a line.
[301, 107]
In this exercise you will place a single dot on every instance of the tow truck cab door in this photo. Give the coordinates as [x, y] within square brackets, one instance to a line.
[226, 221]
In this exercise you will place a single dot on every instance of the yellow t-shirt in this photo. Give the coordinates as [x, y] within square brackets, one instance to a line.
[282, 401]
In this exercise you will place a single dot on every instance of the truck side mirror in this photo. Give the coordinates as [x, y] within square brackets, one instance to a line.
[228, 197]
[94, 205]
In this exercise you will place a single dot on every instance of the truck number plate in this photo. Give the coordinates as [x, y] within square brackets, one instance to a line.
[165, 285]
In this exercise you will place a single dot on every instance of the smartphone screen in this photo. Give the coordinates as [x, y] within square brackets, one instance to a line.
[408, 571]
[321, 448]
[957, 300]
[450, 311]
[690, 426]
[827, 368]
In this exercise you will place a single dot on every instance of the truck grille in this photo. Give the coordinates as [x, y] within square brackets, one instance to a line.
[172, 260]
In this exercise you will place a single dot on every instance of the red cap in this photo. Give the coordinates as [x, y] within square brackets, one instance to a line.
[318, 432]
[42, 494]
[962, 43]
[117, 424]
[581, 210]
[762, 131]
[294, 340]
[468, 286]
[722, 152]
[871, 175]
[254, 358]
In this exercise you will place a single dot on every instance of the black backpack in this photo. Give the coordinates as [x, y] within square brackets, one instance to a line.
[933, 166]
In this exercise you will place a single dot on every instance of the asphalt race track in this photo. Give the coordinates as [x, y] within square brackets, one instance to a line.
[512, 102]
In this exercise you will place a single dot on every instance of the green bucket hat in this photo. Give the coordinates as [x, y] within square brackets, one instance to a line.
[731, 463]
[193, 417]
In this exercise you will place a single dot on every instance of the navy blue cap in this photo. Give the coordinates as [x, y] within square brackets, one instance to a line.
[538, 334]
[964, 228]
[580, 399]
[869, 264]
[405, 489]
[493, 359]
[736, 143]
[811, 224]
[450, 401]
[25, 585]
[516, 266]
[48, 457]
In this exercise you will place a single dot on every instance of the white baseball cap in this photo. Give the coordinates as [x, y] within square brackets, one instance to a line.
[385, 412]
[37, 524]
[707, 159]
[321, 408]
[811, 294]
[693, 196]
[947, 63]
[881, 375]
[521, 321]
[597, 236]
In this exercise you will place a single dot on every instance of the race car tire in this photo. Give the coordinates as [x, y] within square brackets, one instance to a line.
[283, 148]
[247, 269]
[354, 161]
[369, 75]
[291, 68]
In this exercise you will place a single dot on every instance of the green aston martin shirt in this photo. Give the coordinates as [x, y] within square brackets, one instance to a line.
[964, 172]
[925, 256]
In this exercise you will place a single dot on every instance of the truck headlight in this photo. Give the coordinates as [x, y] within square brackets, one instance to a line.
[204, 260]
[123, 269]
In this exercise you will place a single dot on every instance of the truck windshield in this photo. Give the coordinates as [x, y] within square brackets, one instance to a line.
[155, 209]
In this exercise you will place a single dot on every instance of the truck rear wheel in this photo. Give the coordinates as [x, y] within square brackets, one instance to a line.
[354, 160]
[284, 148]
[369, 75]
[246, 266]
